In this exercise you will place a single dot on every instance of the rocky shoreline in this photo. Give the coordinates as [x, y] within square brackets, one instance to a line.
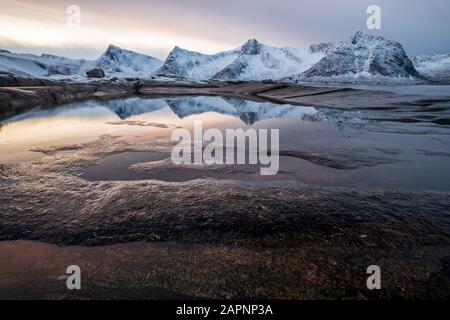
[288, 242]
[214, 238]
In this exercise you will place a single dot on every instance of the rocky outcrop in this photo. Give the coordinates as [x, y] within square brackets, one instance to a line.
[21, 94]
[10, 80]
[96, 73]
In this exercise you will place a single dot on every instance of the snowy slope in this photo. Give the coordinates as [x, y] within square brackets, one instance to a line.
[433, 67]
[364, 57]
[32, 65]
[64, 66]
[257, 61]
[195, 65]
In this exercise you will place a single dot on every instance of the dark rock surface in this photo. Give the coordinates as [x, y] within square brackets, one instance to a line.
[96, 73]
[10, 80]
[251, 47]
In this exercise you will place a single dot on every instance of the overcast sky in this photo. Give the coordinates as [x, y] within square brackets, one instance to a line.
[156, 26]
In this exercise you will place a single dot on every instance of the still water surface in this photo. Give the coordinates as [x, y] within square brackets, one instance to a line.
[374, 154]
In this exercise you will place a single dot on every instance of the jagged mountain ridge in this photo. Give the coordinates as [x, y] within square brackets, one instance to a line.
[253, 61]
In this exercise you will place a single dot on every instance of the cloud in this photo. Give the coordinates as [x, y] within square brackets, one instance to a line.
[155, 26]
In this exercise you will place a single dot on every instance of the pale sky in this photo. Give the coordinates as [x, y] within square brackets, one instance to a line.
[154, 27]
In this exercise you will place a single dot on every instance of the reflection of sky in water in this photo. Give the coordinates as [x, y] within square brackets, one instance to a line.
[81, 122]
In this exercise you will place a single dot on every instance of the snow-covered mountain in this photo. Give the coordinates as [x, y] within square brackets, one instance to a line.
[195, 65]
[120, 62]
[30, 65]
[257, 61]
[253, 61]
[433, 67]
[114, 61]
[364, 57]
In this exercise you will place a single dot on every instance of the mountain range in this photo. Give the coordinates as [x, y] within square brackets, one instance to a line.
[361, 58]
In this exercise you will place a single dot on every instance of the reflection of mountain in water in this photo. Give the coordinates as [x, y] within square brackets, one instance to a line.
[186, 106]
[134, 106]
[248, 111]
[252, 111]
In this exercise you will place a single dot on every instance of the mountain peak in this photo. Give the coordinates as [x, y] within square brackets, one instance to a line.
[251, 47]
[113, 48]
[177, 50]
